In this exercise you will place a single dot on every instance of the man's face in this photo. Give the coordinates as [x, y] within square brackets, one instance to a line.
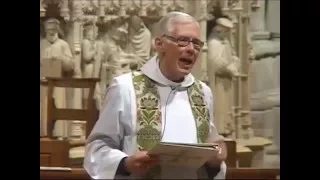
[179, 59]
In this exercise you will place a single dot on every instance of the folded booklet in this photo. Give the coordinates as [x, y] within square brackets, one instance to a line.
[185, 155]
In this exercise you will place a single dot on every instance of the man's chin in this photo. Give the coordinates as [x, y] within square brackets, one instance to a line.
[185, 71]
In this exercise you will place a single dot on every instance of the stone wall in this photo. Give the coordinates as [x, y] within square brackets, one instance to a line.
[265, 85]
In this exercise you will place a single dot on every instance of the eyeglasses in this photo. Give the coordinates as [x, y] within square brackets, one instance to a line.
[184, 41]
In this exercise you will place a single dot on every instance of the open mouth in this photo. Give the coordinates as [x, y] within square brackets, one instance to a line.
[186, 61]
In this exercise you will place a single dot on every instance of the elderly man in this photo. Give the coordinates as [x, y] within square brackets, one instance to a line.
[144, 108]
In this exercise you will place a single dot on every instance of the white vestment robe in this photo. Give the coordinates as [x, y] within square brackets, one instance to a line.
[114, 135]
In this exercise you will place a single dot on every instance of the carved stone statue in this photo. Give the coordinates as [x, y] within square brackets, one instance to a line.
[139, 39]
[111, 65]
[89, 51]
[55, 61]
[92, 53]
[115, 60]
[225, 65]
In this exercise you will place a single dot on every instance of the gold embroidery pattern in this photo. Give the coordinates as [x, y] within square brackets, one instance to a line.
[200, 111]
[148, 112]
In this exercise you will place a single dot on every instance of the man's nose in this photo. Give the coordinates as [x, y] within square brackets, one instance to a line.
[190, 48]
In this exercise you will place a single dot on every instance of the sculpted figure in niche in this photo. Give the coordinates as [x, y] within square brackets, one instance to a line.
[89, 50]
[225, 65]
[92, 53]
[55, 61]
[127, 61]
[111, 59]
[139, 41]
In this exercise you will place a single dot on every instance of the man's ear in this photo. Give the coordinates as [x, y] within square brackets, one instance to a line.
[158, 43]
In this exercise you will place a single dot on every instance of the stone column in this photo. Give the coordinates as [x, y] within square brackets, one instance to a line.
[43, 112]
[273, 16]
[199, 11]
[247, 137]
[244, 80]
[202, 7]
[257, 17]
[76, 100]
[265, 94]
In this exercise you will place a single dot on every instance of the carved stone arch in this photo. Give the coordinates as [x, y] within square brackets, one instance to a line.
[55, 8]
[133, 8]
[58, 9]
[153, 9]
[175, 6]
[90, 7]
[112, 8]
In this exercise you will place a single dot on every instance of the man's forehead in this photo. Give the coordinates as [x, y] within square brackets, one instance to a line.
[187, 23]
[190, 29]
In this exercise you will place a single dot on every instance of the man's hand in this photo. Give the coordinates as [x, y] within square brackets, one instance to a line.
[139, 163]
[222, 155]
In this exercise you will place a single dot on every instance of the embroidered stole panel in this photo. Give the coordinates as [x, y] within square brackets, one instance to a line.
[149, 126]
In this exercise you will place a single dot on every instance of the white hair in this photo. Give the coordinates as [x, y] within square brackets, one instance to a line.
[165, 25]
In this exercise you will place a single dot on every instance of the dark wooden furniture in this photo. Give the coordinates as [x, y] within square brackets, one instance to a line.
[53, 152]
[252, 173]
[89, 115]
[232, 173]
[231, 160]
[54, 113]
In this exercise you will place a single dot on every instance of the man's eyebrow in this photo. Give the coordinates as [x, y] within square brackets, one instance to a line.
[183, 37]
[187, 37]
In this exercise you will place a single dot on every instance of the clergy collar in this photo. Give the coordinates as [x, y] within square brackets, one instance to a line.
[152, 70]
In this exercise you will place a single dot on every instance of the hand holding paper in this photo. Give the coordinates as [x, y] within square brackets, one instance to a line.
[221, 156]
[140, 163]
[187, 155]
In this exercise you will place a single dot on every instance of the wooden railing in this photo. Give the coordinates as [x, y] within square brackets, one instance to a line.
[232, 173]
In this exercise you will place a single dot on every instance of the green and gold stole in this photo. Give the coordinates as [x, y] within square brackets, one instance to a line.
[149, 125]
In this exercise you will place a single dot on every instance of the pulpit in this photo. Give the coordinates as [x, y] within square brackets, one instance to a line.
[53, 152]
[231, 160]
[232, 173]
